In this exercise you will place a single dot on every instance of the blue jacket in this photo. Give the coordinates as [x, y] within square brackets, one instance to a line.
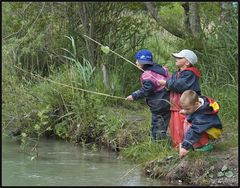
[184, 80]
[152, 90]
[201, 120]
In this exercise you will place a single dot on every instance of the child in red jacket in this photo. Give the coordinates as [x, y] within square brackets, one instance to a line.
[186, 77]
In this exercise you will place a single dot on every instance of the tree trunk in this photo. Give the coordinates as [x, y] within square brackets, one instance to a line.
[186, 16]
[194, 19]
[225, 12]
[88, 26]
[174, 30]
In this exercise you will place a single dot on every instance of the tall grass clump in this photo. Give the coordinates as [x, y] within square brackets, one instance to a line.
[148, 150]
[219, 65]
[17, 102]
[52, 106]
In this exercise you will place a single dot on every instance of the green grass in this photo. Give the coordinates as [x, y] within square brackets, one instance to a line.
[149, 150]
[72, 108]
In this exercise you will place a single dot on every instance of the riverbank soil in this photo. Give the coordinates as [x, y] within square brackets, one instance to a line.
[205, 168]
[218, 167]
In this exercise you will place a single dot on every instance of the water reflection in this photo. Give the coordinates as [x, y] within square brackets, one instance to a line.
[60, 163]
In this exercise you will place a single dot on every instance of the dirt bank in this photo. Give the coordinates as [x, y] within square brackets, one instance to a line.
[214, 168]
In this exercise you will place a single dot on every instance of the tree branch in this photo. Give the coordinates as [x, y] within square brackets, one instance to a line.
[151, 8]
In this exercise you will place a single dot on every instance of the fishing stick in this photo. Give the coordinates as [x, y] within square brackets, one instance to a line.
[88, 91]
[125, 60]
[93, 92]
[118, 55]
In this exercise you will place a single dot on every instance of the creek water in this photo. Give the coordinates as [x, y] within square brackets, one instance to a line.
[63, 164]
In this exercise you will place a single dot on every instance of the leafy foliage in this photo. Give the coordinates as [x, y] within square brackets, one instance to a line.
[45, 38]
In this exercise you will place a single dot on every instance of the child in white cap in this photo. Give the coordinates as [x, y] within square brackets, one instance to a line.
[185, 78]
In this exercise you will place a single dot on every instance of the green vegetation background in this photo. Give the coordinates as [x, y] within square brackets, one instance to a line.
[46, 39]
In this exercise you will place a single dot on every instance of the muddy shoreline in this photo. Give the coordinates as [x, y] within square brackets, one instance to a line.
[214, 169]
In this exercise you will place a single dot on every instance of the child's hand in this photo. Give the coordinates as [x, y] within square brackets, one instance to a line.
[162, 82]
[182, 152]
[182, 111]
[129, 98]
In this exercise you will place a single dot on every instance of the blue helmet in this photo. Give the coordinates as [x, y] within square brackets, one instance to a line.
[144, 57]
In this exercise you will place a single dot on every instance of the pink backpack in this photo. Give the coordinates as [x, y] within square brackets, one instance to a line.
[154, 77]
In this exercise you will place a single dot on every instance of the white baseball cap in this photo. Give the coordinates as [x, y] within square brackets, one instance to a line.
[188, 54]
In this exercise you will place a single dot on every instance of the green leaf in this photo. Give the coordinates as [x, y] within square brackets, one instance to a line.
[37, 127]
[40, 114]
[229, 174]
[69, 58]
[44, 117]
[105, 49]
[68, 52]
[24, 135]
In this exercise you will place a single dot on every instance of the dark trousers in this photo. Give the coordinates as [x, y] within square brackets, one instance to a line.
[160, 121]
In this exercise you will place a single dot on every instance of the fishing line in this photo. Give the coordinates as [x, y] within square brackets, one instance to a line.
[128, 62]
[93, 92]
[169, 102]
[120, 56]
[88, 91]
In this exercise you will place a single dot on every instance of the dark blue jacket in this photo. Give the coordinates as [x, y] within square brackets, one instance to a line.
[149, 90]
[184, 80]
[201, 120]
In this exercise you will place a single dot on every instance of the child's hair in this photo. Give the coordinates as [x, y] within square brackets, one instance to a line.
[145, 66]
[190, 65]
[189, 96]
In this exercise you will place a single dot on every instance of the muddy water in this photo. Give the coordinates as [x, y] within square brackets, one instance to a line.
[60, 163]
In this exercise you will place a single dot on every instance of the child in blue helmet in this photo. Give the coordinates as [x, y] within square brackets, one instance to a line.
[157, 97]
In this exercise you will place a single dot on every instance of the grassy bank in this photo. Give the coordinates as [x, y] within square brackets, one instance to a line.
[38, 108]
[48, 109]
